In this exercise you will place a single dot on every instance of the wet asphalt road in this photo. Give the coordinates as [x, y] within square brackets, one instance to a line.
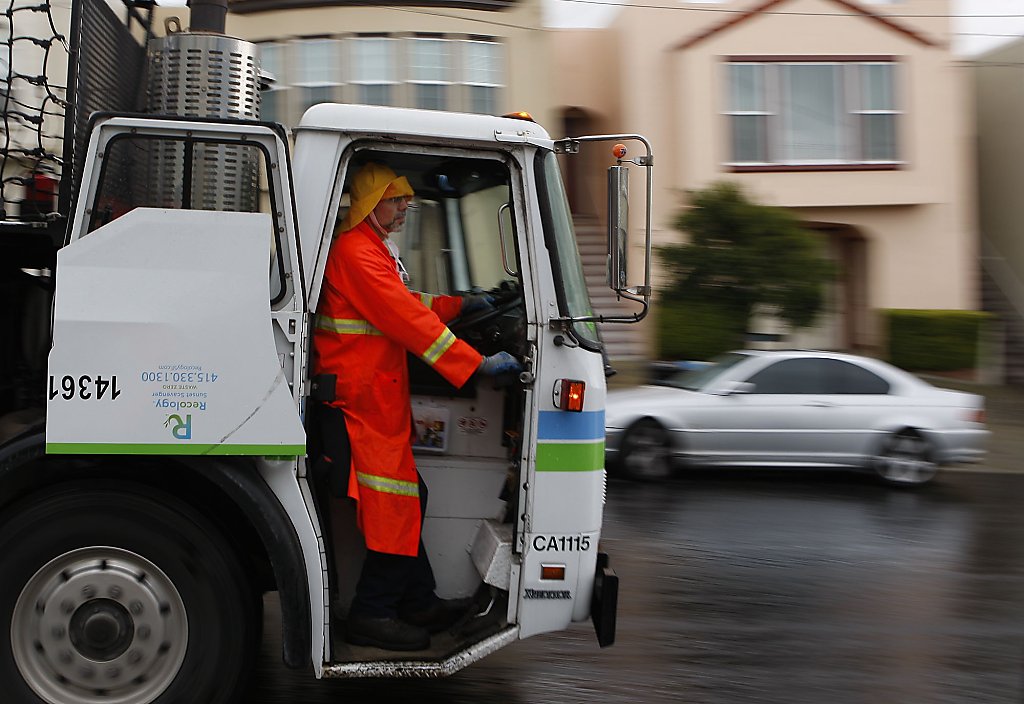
[758, 588]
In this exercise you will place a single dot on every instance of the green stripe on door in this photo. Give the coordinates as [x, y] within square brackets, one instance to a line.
[113, 448]
[570, 456]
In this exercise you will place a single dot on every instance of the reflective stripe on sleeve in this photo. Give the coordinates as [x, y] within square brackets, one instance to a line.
[439, 347]
[387, 485]
[346, 326]
[427, 299]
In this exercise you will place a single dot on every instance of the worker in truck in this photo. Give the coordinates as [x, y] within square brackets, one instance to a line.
[366, 322]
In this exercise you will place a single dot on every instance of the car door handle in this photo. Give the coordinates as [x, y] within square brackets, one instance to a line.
[819, 404]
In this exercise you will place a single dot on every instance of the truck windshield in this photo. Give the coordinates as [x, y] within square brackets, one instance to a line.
[560, 237]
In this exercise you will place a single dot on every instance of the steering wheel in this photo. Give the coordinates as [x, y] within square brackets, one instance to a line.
[501, 328]
[485, 316]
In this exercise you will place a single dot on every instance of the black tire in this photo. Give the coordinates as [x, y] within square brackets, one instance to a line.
[130, 578]
[646, 453]
[905, 459]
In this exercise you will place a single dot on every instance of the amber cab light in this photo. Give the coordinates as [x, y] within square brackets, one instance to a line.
[520, 115]
[568, 394]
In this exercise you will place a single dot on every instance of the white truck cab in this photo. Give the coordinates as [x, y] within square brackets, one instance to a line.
[169, 490]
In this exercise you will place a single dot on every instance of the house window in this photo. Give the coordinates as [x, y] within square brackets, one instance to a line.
[430, 73]
[812, 113]
[749, 117]
[274, 100]
[464, 73]
[317, 71]
[877, 112]
[483, 76]
[373, 70]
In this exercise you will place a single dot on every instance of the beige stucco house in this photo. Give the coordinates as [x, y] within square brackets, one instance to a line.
[854, 114]
[436, 55]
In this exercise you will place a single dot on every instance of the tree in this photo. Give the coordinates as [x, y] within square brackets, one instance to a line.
[743, 255]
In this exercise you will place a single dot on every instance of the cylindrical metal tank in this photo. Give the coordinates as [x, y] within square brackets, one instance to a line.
[206, 75]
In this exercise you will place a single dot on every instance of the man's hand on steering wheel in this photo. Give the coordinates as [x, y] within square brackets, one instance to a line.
[476, 303]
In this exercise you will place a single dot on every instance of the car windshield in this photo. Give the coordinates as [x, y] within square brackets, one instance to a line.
[698, 379]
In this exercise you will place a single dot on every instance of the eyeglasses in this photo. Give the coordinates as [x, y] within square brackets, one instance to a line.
[399, 199]
[402, 272]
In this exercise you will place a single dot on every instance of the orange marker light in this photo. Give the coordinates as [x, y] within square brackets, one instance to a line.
[619, 151]
[552, 572]
[520, 115]
[568, 394]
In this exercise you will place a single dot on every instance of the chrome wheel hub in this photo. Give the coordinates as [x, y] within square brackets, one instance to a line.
[99, 624]
[648, 455]
[906, 461]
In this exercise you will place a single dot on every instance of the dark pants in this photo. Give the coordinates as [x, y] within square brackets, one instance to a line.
[388, 584]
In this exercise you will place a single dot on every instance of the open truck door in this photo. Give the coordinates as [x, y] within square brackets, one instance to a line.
[175, 321]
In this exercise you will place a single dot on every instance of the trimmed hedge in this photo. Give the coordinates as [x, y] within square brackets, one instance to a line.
[934, 340]
[696, 330]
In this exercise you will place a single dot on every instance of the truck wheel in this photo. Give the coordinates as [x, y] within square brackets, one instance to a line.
[121, 594]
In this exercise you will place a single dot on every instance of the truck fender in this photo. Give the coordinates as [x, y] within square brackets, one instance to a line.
[28, 446]
[250, 492]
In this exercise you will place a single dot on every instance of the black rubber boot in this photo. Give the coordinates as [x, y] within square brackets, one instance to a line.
[386, 633]
[440, 615]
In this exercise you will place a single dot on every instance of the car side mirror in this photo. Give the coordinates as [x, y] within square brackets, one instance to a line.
[733, 388]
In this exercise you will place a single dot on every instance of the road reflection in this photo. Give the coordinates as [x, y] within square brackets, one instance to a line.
[768, 587]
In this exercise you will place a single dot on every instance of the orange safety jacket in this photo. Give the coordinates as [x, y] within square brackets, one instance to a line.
[366, 321]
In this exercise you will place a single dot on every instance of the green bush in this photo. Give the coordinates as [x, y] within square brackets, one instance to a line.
[934, 340]
[697, 330]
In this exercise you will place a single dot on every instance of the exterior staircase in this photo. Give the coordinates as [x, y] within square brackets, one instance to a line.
[1002, 294]
[624, 342]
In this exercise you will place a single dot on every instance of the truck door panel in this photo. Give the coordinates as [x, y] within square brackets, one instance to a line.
[162, 321]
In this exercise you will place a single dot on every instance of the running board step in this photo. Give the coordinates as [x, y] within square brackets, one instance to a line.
[492, 553]
[425, 668]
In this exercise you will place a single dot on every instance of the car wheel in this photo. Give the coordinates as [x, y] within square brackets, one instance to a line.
[905, 460]
[646, 452]
[121, 595]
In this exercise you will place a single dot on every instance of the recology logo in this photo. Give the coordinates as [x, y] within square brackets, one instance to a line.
[182, 429]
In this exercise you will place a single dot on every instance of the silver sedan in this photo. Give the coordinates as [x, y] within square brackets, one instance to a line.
[755, 408]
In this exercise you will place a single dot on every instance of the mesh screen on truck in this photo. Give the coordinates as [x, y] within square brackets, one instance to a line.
[58, 65]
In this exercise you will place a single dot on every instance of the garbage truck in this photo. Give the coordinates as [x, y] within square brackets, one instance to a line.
[155, 446]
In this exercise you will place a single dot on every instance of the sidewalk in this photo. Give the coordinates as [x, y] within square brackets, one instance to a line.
[1005, 409]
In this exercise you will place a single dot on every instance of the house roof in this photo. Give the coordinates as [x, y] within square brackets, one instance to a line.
[767, 5]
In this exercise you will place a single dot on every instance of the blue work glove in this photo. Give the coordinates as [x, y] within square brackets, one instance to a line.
[476, 303]
[500, 363]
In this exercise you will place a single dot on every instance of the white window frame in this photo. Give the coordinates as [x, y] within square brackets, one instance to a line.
[280, 84]
[786, 130]
[857, 108]
[333, 68]
[393, 69]
[463, 55]
[764, 112]
[413, 81]
[849, 109]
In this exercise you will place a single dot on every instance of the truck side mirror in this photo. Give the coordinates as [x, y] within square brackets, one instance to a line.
[618, 226]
